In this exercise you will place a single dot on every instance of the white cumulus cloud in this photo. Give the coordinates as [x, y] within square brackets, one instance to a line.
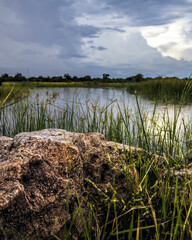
[172, 39]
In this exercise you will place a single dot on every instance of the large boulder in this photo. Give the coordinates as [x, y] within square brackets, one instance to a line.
[44, 175]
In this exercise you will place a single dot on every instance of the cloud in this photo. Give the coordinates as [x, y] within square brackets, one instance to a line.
[41, 34]
[90, 42]
[100, 48]
[173, 39]
[150, 12]
[115, 29]
[129, 54]
[94, 36]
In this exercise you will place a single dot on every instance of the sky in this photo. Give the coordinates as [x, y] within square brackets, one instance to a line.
[92, 37]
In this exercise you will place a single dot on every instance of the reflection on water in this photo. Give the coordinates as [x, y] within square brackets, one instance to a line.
[102, 96]
[105, 96]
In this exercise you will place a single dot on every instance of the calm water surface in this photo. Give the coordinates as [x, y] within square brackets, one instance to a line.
[107, 97]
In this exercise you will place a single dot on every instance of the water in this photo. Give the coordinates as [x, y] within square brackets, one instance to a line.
[107, 97]
[101, 96]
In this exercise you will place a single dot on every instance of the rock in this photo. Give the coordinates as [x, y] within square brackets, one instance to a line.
[43, 172]
[5, 146]
[178, 177]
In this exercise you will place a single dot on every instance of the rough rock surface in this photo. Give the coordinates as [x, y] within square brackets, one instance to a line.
[40, 170]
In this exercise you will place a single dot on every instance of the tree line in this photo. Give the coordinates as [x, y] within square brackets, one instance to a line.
[68, 78]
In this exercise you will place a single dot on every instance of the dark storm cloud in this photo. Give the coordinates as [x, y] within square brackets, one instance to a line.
[88, 31]
[49, 23]
[150, 12]
[31, 52]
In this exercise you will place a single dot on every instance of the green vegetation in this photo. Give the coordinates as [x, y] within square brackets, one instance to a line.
[158, 207]
[164, 89]
[68, 84]
[11, 93]
[19, 78]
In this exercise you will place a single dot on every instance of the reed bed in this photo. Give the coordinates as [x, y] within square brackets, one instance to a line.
[161, 89]
[157, 208]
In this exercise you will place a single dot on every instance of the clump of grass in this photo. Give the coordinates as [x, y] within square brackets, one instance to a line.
[157, 208]
[161, 89]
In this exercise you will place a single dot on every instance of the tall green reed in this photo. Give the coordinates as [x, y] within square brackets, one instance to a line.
[161, 89]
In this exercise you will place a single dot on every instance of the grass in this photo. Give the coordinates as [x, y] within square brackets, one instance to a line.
[163, 89]
[156, 208]
[67, 84]
[151, 211]
[12, 93]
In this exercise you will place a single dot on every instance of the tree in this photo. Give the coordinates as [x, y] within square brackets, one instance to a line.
[106, 76]
[87, 78]
[138, 77]
[5, 75]
[19, 77]
[67, 76]
[75, 78]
